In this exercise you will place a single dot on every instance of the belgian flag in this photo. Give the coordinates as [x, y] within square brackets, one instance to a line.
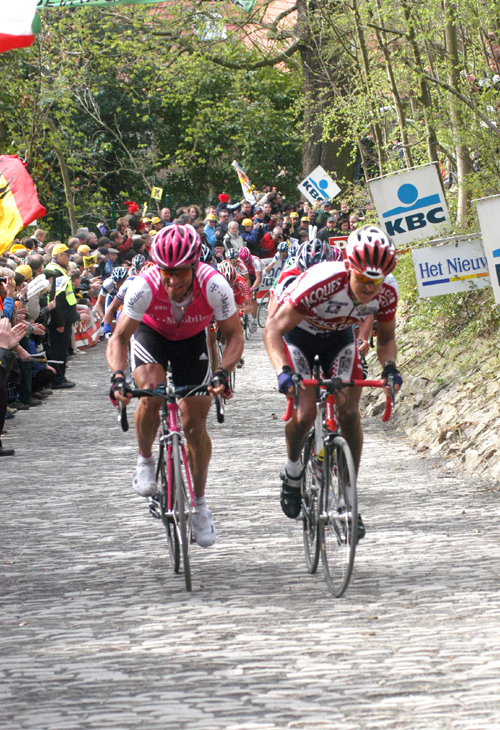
[19, 204]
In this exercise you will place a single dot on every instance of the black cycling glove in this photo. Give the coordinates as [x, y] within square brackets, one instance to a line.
[118, 383]
[285, 380]
[221, 377]
[391, 369]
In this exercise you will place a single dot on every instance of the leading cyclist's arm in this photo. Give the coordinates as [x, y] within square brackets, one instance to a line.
[285, 319]
[386, 347]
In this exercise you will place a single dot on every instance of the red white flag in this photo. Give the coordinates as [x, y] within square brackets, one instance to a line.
[16, 19]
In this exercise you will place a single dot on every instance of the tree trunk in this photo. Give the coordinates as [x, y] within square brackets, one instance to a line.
[461, 150]
[330, 154]
[68, 192]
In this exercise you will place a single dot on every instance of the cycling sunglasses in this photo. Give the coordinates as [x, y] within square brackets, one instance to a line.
[369, 280]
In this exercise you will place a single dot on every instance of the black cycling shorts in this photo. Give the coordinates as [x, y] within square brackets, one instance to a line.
[337, 352]
[189, 358]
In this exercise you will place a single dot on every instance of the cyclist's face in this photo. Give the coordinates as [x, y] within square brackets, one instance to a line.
[177, 282]
[364, 290]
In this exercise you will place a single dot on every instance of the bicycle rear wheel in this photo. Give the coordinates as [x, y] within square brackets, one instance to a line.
[168, 511]
[262, 309]
[310, 506]
[338, 520]
[183, 510]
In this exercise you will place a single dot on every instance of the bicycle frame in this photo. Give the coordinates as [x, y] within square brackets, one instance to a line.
[171, 419]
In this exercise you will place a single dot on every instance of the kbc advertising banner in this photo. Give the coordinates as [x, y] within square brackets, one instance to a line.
[411, 204]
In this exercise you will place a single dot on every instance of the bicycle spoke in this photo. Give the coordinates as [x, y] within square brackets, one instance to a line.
[339, 516]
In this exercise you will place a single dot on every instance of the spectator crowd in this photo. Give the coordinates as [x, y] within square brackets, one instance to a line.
[48, 287]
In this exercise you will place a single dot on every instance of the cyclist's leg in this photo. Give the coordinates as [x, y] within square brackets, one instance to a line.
[149, 359]
[191, 366]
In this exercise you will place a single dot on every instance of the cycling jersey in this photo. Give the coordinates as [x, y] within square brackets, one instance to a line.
[108, 287]
[241, 291]
[124, 287]
[146, 300]
[240, 267]
[254, 265]
[285, 279]
[321, 295]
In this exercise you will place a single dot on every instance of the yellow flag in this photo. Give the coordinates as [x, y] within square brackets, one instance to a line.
[144, 209]
[156, 193]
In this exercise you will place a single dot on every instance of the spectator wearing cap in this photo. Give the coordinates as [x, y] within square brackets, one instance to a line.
[250, 234]
[63, 316]
[111, 262]
[209, 230]
[325, 233]
[147, 224]
[83, 250]
[224, 204]
[259, 218]
[156, 223]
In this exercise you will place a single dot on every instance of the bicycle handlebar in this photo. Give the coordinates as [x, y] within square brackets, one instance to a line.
[181, 392]
[336, 384]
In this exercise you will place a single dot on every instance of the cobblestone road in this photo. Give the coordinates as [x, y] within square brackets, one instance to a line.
[99, 633]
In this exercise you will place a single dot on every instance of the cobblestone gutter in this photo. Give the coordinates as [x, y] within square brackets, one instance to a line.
[449, 405]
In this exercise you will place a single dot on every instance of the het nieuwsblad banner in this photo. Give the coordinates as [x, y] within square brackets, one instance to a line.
[247, 5]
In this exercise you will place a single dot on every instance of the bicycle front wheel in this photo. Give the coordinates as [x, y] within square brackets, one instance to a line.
[338, 520]
[310, 506]
[262, 309]
[168, 511]
[183, 512]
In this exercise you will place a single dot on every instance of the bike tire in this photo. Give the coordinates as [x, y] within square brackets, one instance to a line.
[310, 506]
[246, 326]
[183, 509]
[262, 309]
[338, 522]
[174, 548]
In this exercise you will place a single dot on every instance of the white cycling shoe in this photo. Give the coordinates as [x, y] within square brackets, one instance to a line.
[203, 526]
[144, 479]
[253, 327]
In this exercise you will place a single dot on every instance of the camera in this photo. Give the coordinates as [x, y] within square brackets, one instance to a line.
[3, 279]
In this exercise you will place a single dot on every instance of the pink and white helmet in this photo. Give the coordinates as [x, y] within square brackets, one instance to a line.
[244, 254]
[176, 247]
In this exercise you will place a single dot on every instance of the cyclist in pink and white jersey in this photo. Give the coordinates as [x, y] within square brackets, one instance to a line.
[166, 313]
[316, 318]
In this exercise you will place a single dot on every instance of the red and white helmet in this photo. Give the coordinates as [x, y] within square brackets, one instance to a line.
[244, 254]
[176, 247]
[371, 252]
[228, 271]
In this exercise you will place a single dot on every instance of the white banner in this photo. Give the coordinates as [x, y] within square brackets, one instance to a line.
[411, 204]
[450, 268]
[488, 213]
[319, 186]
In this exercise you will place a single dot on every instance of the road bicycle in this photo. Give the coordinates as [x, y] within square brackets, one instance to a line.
[174, 503]
[263, 308]
[329, 493]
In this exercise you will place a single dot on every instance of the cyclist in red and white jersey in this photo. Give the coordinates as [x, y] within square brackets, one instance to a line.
[166, 312]
[255, 269]
[316, 318]
[239, 286]
[233, 256]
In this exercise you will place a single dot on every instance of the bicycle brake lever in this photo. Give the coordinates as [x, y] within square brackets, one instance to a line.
[390, 383]
[122, 416]
[296, 380]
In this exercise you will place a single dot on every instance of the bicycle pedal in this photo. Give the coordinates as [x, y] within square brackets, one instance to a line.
[154, 508]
